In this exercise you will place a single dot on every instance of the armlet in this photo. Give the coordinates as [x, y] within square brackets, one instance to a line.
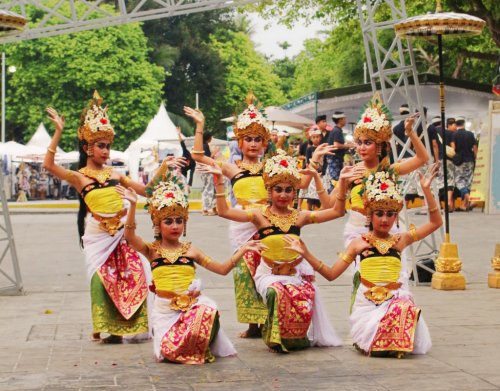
[126, 180]
[70, 176]
[205, 261]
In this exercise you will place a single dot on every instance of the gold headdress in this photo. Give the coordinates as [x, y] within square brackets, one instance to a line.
[375, 121]
[250, 119]
[381, 190]
[280, 167]
[94, 122]
[166, 197]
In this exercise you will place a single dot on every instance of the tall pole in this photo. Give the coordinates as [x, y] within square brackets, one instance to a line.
[3, 97]
[443, 124]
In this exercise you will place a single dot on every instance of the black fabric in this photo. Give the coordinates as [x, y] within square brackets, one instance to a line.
[450, 137]
[96, 185]
[320, 118]
[372, 252]
[273, 230]
[464, 142]
[243, 174]
[336, 136]
[303, 149]
[206, 149]
[190, 164]
[269, 145]
[399, 132]
[431, 130]
[159, 262]
[309, 152]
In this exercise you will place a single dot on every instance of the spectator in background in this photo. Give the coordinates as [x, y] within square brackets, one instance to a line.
[43, 186]
[273, 140]
[465, 156]
[312, 193]
[335, 162]
[190, 163]
[432, 133]
[208, 200]
[399, 132]
[302, 156]
[235, 154]
[450, 143]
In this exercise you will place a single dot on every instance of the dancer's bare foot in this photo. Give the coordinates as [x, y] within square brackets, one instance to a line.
[112, 339]
[273, 350]
[252, 331]
[95, 337]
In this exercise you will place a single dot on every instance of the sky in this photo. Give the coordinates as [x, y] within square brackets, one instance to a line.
[267, 40]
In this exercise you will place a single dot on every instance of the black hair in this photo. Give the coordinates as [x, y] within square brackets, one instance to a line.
[404, 109]
[383, 149]
[461, 122]
[82, 211]
[320, 118]
[336, 120]
[207, 135]
[450, 121]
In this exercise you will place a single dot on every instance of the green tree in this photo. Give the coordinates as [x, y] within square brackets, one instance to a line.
[63, 72]
[285, 69]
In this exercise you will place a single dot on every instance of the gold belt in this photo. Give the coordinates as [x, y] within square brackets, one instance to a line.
[111, 224]
[377, 293]
[283, 269]
[250, 205]
[179, 301]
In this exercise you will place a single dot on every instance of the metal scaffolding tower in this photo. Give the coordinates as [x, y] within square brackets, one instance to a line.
[387, 65]
[65, 18]
[13, 276]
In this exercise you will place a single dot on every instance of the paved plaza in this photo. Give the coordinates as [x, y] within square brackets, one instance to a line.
[52, 351]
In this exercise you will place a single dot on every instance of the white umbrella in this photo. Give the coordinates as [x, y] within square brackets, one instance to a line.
[228, 119]
[279, 116]
[118, 156]
[288, 129]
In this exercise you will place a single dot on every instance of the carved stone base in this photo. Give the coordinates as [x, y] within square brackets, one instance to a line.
[494, 280]
[448, 281]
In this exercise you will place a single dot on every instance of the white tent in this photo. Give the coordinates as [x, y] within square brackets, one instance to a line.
[12, 148]
[41, 139]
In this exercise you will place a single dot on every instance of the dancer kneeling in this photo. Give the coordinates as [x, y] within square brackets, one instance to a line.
[384, 320]
[296, 316]
[185, 322]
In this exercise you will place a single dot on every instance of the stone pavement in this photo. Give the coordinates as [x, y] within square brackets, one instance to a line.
[40, 351]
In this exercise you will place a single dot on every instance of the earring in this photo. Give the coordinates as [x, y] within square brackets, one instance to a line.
[269, 198]
[397, 220]
[90, 150]
[157, 232]
[185, 229]
[295, 200]
[379, 149]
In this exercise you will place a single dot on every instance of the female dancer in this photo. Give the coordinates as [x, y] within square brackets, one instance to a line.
[285, 283]
[116, 273]
[252, 133]
[372, 134]
[384, 320]
[185, 322]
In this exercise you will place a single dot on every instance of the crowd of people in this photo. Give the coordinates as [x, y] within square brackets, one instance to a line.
[38, 184]
[141, 289]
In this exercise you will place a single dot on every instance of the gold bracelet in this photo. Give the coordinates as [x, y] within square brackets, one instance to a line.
[51, 150]
[127, 180]
[233, 261]
[338, 197]
[409, 132]
[346, 257]
[131, 226]
[433, 209]
[250, 215]
[413, 233]
[313, 218]
[200, 152]
[313, 164]
[320, 191]
[319, 267]
[220, 194]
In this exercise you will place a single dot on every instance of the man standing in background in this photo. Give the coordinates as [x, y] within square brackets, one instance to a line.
[450, 143]
[466, 152]
[399, 132]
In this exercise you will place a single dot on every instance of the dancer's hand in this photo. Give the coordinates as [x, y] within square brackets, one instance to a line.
[309, 171]
[209, 168]
[322, 150]
[172, 161]
[255, 245]
[127, 194]
[410, 121]
[178, 128]
[56, 120]
[296, 245]
[351, 173]
[426, 180]
[195, 114]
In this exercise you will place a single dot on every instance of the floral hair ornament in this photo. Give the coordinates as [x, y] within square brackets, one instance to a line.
[375, 121]
[94, 124]
[166, 198]
[281, 165]
[381, 190]
[251, 119]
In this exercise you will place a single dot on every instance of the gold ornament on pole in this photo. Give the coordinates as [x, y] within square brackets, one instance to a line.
[494, 278]
[450, 24]
[10, 21]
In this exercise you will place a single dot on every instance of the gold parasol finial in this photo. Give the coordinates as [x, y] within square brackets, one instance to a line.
[438, 7]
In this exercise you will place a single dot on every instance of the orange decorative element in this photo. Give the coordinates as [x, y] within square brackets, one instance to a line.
[295, 308]
[123, 277]
[188, 339]
[252, 260]
[396, 331]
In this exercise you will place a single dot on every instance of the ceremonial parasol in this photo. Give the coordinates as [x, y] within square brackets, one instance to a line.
[10, 21]
[440, 24]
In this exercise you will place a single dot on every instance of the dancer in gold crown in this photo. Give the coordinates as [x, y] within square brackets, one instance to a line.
[296, 318]
[116, 273]
[252, 132]
[384, 319]
[185, 322]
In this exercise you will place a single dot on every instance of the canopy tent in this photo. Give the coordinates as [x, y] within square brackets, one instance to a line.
[280, 116]
[74, 156]
[41, 139]
[287, 129]
[12, 148]
[161, 128]
[463, 98]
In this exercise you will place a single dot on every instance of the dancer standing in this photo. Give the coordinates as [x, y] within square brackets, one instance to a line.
[384, 319]
[185, 322]
[252, 133]
[296, 318]
[116, 273]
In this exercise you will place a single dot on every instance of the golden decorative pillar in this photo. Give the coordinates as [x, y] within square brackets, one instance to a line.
[448, 266]
[494, 278]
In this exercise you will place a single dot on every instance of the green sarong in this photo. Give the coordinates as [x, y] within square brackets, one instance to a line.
[107, 319]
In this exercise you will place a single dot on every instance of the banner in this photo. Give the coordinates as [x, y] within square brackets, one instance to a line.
[481, 172]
